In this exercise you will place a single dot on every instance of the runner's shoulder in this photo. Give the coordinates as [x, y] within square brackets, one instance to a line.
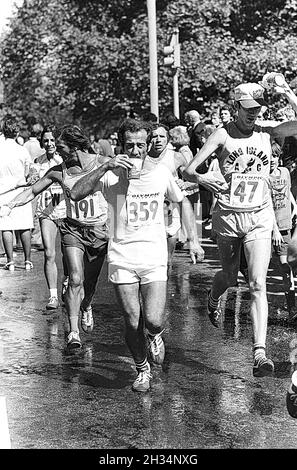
[219, 135]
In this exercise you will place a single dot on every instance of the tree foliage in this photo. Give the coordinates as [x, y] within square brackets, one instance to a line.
[87, 60]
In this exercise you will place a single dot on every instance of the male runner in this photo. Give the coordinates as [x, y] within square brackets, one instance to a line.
[83, 231]
[243, 213]
[137, 250]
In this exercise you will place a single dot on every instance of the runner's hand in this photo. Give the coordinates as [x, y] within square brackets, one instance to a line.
[120, 161]
[4, 210]
[196, 252]
[213, 183]
[277, 239]
[181, 184]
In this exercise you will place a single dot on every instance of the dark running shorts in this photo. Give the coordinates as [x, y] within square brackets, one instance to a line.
[91, 239]
[282, 250]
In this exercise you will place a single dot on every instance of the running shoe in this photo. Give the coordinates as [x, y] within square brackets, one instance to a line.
[53, 303]
[291, 399]
[156, 348]
[142, 382]
[214, 314]
[28, 265]
[87, 321]
[263, 367]
[64, 288]
[73, 340]
[9, 266]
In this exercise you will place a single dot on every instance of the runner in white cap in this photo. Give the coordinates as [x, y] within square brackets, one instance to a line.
[243, 213]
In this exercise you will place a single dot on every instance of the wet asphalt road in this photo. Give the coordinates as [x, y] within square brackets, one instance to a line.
[203, 397]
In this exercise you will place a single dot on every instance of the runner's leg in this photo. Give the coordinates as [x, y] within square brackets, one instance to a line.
[154, 299]
[91, 274]
[128, 298]
[75, 292]
[229, 252]
[258, 253]
[49, 232]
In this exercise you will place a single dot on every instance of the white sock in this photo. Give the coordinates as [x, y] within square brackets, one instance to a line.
[54, 293]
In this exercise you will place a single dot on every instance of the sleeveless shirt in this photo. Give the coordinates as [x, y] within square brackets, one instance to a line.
[90, 210]
[245, 164]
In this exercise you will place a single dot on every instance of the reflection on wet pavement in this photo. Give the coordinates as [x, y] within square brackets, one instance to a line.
[203, 397]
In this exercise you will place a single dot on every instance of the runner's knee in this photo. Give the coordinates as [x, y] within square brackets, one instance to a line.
[257, 285]
[50, 255]
[154, 325]
[75, 279]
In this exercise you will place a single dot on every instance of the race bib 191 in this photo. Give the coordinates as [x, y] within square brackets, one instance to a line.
[88, 208]
[246, 191]
[144, 209]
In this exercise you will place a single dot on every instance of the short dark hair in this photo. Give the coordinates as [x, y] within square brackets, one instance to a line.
[171, 120]
[134, 125]
[225, 107]
[48, 128]
[150, 117]
[74, 137]
[10, 127]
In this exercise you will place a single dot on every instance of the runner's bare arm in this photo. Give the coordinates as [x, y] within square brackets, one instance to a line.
[29, 194]
[91, 183]
[285, 129]
[286, 91]
[213, 143]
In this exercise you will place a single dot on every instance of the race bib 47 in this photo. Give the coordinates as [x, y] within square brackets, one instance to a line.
[247, 190]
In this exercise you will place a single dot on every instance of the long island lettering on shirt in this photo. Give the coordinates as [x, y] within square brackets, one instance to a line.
[88, 211]
[245, 164]
[137, 236]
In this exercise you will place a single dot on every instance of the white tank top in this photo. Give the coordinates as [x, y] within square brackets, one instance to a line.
[245, 165]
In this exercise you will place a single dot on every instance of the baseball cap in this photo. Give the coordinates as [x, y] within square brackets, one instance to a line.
[250, 95]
